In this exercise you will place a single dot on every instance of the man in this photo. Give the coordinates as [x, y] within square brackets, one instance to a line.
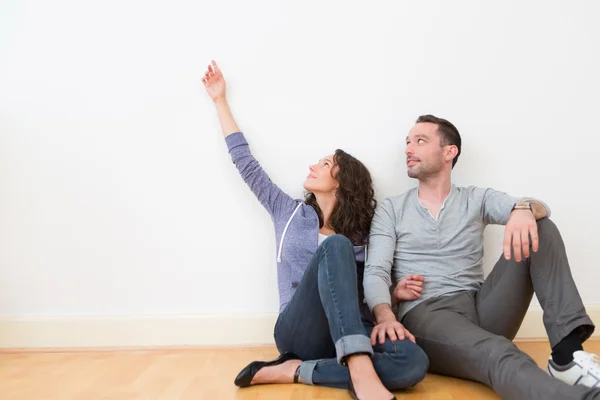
[430, 241]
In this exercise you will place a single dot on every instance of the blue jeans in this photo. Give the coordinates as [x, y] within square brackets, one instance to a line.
[322, 323]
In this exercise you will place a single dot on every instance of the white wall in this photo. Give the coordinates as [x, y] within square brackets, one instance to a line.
[117, 195]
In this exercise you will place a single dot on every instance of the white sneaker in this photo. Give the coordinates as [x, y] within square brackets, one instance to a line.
[583, 370]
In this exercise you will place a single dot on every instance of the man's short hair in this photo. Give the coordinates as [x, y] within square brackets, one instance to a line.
[448, 133]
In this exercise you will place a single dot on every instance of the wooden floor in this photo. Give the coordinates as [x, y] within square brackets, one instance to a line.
[189, 374]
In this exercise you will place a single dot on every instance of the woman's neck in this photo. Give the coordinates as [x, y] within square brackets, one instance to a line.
[326, 203]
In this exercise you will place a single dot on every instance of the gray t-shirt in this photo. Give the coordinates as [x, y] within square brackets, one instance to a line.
[406, 239]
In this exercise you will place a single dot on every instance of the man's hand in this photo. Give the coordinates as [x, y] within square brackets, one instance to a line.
[520, 228]
[388, 325]
[392, 328]
[408, 288]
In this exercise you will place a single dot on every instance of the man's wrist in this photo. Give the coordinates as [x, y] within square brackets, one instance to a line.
[383, 313]
[522, 205]
[386, 318]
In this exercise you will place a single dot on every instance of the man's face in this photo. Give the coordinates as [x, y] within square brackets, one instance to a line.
[424, 155]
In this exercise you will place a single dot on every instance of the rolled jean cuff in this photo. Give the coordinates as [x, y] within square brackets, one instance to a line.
[352, 344]
[306, 371]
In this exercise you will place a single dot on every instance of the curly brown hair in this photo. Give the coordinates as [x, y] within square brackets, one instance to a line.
[355, 196]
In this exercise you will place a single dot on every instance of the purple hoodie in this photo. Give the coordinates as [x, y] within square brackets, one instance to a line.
[296, 224]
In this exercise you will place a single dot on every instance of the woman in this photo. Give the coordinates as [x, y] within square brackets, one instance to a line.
[319, 316]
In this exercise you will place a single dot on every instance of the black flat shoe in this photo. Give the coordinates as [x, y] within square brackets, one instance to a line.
[246, 375]
[353, 392]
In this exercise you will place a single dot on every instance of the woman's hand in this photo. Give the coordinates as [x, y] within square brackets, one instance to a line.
[214, 82]
[215, 87]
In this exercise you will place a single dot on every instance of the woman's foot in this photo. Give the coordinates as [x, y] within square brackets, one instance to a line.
[282, 373]
[246, 376]
[367, 384]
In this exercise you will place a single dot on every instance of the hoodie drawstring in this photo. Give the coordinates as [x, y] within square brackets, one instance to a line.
[284, 231]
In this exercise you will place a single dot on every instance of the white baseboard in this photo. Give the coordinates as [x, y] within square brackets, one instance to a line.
[135, 330]
[173, 330]
[533, 327]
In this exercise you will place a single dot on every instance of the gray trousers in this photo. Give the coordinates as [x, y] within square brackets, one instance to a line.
[469, 334]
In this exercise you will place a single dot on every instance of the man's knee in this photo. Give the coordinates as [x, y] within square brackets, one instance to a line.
[400, 364]
[546, 227]
[549, 235]
[498, 352]
[502, 350]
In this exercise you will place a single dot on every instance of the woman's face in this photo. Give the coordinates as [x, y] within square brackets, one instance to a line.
[320, 178]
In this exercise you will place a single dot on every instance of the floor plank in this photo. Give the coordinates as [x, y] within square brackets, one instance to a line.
[162, 374]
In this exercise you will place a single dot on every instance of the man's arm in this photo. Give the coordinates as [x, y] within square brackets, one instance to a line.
[383, 312]
[521, 231]
[378, 266]
[520, 235]
[378, 279]
[496, 206]
[539, 210]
